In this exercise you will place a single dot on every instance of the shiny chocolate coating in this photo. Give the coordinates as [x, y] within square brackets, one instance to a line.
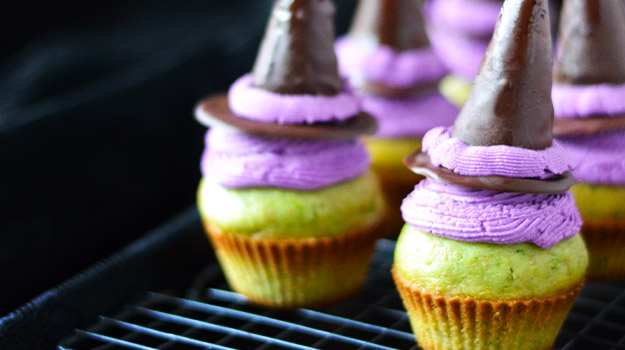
[591, 44]
[510, 101]
[587, 126]
[398, 24]
[297, 53]
[420, 164]
[215, 112]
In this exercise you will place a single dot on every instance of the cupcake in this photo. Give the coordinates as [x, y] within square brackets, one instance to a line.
[490, 256]
[287, 198]
[460, 31]
[390, 65]
[589, 104]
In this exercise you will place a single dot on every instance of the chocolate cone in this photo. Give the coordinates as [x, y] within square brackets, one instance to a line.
[591, 45]
[510, 101]
[297, 54]
[395, 23]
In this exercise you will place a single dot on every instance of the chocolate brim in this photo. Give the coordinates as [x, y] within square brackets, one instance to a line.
[587, 126]
[215, 112]
[420, 163]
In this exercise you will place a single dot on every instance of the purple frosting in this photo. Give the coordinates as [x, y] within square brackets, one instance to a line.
[598, 159]
[500, 160]
[237, 160]
[472, 215]
[471, 18]
[384, 65]
[582, 101]
[250, 102]
[352, 55]
[411, 116]
[462, 55]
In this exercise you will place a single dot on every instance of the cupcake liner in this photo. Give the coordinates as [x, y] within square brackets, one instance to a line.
[466, 323]
[289, 273]
[396, 185]
[606, 246]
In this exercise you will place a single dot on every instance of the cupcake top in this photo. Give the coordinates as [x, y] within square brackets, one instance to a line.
[290, 123]
[589, 89]
[504, 178]
[389, 61]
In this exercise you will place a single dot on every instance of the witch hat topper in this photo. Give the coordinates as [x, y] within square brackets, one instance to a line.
[591, 51]
[297, 53]
[591, 44]
[295, 74]
[510, 101]
[398, 24]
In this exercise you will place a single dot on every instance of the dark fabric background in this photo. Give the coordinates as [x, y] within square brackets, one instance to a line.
[97, 140]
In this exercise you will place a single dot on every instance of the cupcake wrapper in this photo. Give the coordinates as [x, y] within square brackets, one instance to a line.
[466, 323]
[293, 273]
[606, 245]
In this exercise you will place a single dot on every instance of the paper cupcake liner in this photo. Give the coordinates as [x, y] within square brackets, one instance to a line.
[466, 323]
[289, 273]
[606, 246]
[395, 187]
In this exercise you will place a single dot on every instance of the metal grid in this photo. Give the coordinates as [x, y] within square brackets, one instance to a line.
[210, 317]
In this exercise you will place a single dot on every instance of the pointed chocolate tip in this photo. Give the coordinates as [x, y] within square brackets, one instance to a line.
[398, 24]
[297, 53]
[510, 101]
[591, 45]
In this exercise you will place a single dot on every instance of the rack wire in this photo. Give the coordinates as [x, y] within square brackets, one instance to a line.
[211, 317]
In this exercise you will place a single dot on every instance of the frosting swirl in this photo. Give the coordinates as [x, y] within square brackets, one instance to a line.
[251, 102]
[500, 160]
[583, 101]
[473, 215]
[471, 18]
[598, 159]
[411, 116]
[237, 160]
[359, 59]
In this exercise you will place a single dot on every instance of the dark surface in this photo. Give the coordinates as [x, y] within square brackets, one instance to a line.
[97, 138]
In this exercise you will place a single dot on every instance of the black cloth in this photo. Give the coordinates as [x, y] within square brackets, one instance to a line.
[166, 259]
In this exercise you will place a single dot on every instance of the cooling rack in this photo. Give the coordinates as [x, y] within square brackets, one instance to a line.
[209, 316]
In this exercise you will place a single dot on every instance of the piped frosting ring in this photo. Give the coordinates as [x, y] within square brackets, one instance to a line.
[496, 168]
[586, 101]
[250, 102]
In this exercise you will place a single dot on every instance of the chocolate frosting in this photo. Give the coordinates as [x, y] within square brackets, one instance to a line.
[398, 24]
[300, 36]
[591, 44]
[510, 102]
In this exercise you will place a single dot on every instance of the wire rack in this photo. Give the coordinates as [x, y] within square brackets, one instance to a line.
[211, 317]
